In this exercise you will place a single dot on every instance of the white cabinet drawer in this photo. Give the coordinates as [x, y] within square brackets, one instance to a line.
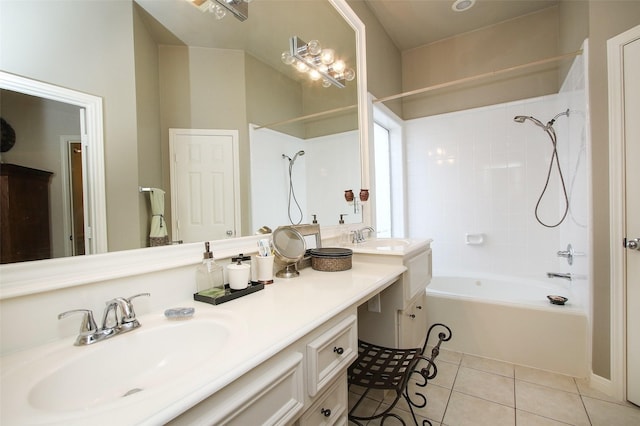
[272, 395]
[331, 352]
[330, 408]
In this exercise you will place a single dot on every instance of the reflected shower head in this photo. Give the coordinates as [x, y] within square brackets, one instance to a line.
[523, 118]
[292, 160]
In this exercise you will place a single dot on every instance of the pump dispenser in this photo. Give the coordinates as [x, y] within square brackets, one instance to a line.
[209, 275]
[343, 232]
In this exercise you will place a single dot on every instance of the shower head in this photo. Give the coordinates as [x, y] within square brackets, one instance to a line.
[523, 118]
[292, 160]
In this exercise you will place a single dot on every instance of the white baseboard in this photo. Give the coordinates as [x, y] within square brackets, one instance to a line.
[601, 384]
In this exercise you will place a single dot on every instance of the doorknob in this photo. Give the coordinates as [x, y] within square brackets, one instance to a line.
[229, 233]
[633, 244]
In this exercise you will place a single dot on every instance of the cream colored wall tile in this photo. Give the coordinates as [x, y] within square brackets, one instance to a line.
[603, 413]
[488, 365]
[546, 378]
[492, 387]
[552, 403]
[468, 410]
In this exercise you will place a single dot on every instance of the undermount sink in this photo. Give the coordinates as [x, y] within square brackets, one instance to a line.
[67, 379]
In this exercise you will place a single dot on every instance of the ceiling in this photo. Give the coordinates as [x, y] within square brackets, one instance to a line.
[413, 23]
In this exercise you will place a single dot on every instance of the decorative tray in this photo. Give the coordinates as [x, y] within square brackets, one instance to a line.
[228, 295]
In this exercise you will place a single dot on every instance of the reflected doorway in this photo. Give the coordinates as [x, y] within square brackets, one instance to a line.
[76, 200]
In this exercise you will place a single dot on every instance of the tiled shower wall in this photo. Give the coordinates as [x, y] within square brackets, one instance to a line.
[331, 165]
[479, 172]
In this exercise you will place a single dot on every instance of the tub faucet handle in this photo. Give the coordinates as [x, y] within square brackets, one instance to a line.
[568, 254]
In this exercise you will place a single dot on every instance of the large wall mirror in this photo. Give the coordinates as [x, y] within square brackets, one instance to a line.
[161, 65]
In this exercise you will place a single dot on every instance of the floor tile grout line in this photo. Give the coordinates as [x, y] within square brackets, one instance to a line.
[453, 384]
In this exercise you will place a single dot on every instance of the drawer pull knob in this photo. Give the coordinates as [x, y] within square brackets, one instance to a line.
[339, 351]
[412, 316]
[419, 306]
[325, 411]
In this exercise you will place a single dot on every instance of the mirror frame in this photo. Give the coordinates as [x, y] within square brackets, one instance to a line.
[21, 279]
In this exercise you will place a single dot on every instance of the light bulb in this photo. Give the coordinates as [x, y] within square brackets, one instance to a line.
[315, 75]
[323, 68]
[301, 66]
[219, 12]
[328, 56]
[349, 74]
[287, 58]
[314, 48]
[338, 66]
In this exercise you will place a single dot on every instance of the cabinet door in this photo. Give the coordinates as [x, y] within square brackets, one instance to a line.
[412, 323]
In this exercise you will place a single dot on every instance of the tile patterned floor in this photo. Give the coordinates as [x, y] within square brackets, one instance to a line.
[469, 390]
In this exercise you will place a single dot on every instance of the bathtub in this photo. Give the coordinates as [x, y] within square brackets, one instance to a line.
[512, 320]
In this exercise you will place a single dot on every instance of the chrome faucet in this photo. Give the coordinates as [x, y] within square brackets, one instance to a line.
[124, 319]
[566, 276]
[358, 234]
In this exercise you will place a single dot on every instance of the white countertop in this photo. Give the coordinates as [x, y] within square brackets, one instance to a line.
[390, 246]
[265, 323]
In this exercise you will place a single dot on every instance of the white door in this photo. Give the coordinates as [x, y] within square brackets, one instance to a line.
[624, 173]
[204, 184]
[631, 52]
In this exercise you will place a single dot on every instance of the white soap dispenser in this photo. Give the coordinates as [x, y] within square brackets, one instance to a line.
[209, 275]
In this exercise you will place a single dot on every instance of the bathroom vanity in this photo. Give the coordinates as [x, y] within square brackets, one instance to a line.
[277, 356]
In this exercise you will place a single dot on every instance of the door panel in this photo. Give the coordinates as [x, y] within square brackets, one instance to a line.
[632, 213]
[203, 184]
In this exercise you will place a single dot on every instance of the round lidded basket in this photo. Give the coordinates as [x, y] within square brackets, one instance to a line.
[331, 259]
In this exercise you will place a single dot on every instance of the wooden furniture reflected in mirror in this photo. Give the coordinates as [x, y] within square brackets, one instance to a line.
[24, 219]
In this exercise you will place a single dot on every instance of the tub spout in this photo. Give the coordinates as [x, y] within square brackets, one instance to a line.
[566, 276]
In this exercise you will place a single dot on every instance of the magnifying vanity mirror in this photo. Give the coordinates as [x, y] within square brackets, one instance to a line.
[160, 65]
[290, 247]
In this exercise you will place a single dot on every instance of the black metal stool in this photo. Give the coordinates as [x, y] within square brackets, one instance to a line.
[389, 369]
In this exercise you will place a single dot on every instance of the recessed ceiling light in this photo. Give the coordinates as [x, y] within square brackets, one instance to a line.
[462, 5]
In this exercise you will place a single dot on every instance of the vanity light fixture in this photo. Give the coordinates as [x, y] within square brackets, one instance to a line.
[219, 8]
[319, 63]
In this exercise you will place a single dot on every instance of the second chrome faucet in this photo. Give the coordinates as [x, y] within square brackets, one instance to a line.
[119, 317]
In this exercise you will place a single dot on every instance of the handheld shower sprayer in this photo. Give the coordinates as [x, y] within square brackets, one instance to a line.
[548, 128]
[292, 194]
[292, 160]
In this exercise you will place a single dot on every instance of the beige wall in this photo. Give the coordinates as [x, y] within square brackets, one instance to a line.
[150, 174]
[64, 43]
[203, 88]
[606, 19]
[384, 63]
[272, 97]
[514, 42]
